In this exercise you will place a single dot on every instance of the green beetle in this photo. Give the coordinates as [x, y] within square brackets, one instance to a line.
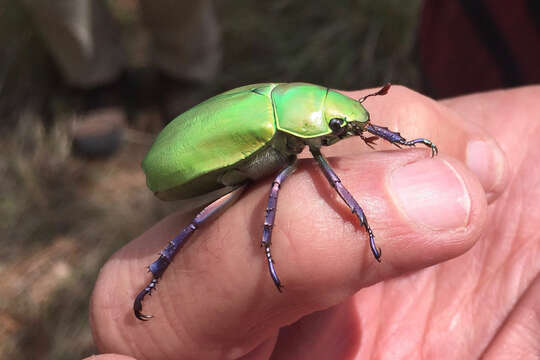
[244, 134]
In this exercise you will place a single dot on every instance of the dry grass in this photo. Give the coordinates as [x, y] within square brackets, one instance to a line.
[61, 219]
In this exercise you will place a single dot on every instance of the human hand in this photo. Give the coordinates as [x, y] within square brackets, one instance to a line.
[217, 301]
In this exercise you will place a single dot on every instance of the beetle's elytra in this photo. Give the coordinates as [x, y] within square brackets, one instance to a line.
[247, 133]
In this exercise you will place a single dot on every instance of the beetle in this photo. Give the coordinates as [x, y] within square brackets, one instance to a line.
[219, 146]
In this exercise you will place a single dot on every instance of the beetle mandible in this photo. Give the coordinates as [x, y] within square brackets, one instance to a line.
[217, 147]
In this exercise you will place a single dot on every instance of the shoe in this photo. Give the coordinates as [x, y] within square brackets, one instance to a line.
[96, 129]
[98, 133]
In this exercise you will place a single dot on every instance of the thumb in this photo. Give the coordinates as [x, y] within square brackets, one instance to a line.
[216, 301]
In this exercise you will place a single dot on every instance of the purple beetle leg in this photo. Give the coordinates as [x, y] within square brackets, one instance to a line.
[334, 180]
[271, 215]
[158, 267]
[396, 138]
[370, 141]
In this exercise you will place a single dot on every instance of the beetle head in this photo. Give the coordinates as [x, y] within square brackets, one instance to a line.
[346, 116]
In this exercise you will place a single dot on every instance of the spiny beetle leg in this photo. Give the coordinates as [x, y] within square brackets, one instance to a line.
[271, 215]
[158, 267]
[396, 138]
[334, 180]
[370, 141]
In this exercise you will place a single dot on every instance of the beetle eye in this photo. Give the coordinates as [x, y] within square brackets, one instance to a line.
[335, 124]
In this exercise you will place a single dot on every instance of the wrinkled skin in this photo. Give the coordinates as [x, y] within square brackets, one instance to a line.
[460, 251]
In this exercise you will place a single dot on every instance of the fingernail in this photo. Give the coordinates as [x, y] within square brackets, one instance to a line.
[431, 192]
[486, 160]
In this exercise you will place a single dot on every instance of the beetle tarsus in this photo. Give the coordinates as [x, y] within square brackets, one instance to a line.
[137, 304]
[396, 138]
[428, 143]
[434, 150]
[378, 255]
[273, 274]
[377, 252]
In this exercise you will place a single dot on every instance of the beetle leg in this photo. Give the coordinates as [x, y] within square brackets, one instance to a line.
[334, 180]
[370, 141]
[158, 267]
[271, 215]
[396, 138]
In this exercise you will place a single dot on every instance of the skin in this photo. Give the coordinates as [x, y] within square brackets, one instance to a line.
[459, 272]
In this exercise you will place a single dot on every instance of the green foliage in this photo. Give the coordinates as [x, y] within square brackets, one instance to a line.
[343, 44]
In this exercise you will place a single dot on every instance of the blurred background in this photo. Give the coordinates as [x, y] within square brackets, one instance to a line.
[71, 188]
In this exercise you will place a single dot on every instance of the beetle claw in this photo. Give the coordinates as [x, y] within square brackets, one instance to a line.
[434, 150]
[378, 258]
[137, 304]
[370, 141]
[137, 307]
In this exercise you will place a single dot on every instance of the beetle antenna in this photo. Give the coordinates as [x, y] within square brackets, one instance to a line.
[383, 91]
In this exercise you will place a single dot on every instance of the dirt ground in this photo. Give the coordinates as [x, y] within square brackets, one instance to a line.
[61, 217]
